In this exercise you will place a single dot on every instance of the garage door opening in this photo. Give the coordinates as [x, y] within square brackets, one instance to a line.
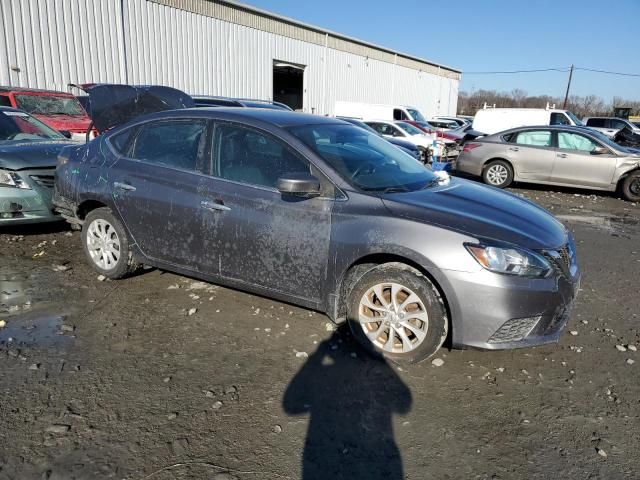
[288, 84]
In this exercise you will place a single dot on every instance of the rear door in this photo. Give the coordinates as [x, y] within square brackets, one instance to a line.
[156, 190]
[577, 164]
[532, 154]
[265, 239]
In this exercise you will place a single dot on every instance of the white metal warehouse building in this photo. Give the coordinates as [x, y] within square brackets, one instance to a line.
[210, 48]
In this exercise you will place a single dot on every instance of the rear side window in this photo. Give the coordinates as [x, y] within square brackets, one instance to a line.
[535, 138]
[170, 143]
[5, 101]
[596, 122]
[399, 114]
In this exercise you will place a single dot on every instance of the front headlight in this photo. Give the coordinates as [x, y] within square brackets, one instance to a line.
[12, 179]
[510, 261]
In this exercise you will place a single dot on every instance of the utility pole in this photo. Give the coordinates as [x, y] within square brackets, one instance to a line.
[566, 96]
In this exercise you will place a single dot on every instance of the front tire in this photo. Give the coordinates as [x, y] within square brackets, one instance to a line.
[631, 187]
[106, 244]
[498, 173]
[396, 312]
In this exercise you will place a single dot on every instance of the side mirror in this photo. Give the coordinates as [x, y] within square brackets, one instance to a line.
[599, 151]
[302, 184]
[65, 133]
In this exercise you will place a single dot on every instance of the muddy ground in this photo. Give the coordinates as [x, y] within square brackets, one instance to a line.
[103, 379]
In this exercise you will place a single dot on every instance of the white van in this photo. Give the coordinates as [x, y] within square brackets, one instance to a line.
[370, 111]
[493, 120]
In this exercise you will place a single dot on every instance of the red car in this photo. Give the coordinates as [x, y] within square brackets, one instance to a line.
[59, 110]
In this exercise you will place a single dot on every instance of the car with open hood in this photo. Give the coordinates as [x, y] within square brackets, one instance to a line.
[28, 159]
[326, 215]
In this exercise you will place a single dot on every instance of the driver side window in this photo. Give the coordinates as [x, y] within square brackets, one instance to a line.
[574, 141]
[248, 156]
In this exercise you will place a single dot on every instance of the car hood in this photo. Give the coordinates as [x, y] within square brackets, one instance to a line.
[482, 212]
[112, 105]
[35, 154]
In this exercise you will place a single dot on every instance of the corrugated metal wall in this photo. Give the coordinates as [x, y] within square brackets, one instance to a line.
[50, 43]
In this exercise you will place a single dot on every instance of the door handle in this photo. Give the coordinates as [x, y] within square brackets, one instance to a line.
[124, 186]
[514, 149]
[214, 206]
[562, 155]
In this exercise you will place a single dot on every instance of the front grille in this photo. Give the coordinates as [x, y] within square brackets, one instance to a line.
[46, 181]
[562, 259]
[515, 329]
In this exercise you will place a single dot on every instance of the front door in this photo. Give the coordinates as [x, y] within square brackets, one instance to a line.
[577, 164]
[532, 154]
[156, 190]
[266, 239]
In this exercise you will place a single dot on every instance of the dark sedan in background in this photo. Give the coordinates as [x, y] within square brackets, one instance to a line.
[554, 155]
[321, 213]
[28, 158]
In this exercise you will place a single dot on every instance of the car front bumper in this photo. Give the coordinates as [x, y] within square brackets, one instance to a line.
[496, 312]
[22, 206]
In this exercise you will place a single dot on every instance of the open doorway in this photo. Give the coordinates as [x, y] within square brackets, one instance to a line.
[288, 84]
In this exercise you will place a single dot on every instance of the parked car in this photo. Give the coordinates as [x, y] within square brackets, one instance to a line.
[458, 120]
[371, 111]
[567, 156]
[209, 101]
[28, 152]
[404, 145]
[443, 125]
[610, 126]
[60, 110]
[493, 120]
[323, 214]
[408, 132]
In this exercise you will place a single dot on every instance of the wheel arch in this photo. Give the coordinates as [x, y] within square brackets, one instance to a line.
[87, 206]
[625, 175]
[362, 265]
[495, 159]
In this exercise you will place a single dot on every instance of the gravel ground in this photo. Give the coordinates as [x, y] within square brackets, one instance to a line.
[160, 376]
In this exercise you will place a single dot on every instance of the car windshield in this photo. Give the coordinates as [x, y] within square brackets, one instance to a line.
[18, 126]
[417, 116]
[575, 119]
[410, 129]
[49, 105]
[365, 160]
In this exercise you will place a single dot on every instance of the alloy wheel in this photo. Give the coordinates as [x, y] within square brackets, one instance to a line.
[393, 317]
[497, 174]
[103, 244]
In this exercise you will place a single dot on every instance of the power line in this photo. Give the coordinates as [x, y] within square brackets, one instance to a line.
[608, 72]
[562, 70]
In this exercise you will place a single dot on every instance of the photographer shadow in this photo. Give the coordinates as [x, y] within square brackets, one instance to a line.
[350, 402]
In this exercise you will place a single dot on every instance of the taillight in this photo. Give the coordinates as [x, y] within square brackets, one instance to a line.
[470, 146]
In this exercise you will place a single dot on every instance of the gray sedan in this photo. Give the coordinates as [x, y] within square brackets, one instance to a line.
[566, 156]
[321, 213]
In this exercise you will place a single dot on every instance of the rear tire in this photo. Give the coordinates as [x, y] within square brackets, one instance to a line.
[631, 187]
[106, 244]
[498, 173]
[396, 312]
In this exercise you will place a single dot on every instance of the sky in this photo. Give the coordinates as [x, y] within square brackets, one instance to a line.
[496, 35]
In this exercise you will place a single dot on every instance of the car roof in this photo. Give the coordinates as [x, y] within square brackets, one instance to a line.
[279, 118]
[33, 90]
[566, 128]
[11, 109]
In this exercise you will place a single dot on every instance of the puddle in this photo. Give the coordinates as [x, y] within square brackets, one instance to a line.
[613, 225]
[26, 330]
